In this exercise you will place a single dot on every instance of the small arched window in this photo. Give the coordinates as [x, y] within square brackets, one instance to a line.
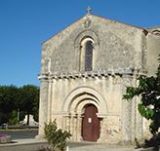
[88, 55]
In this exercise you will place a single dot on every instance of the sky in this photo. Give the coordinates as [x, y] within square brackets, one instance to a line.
[25, 24]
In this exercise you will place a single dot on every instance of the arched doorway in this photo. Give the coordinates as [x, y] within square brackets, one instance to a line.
[90, 123]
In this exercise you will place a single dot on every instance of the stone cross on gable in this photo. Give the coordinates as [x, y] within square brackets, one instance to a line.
[89, 9]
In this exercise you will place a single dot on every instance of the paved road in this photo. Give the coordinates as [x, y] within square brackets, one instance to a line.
[72, 147]
[100, 147]
[21, 133]
[26, 142]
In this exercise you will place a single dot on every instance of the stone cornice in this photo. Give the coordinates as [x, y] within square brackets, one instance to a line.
[91, 74]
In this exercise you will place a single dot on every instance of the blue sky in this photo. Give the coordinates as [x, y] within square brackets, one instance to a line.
[25, 24]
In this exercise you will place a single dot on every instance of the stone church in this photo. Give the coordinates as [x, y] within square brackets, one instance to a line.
[85, 70]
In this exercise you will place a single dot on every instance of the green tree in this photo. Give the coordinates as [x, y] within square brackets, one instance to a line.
[29, 101]
[8, 102]
[149, 106]
[13, 100]
[13, 120]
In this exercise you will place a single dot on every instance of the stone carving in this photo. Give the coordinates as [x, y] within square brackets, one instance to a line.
[87, 23]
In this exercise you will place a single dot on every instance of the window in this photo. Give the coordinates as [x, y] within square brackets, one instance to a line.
[88, 55]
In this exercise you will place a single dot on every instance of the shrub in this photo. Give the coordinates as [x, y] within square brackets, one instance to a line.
[149, 107]
[57, 138]
[5, 138]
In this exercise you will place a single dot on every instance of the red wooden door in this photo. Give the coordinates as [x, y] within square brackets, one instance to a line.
[90, 124]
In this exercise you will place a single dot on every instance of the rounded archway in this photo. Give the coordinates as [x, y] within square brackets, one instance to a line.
[82, 96]
[83, 109]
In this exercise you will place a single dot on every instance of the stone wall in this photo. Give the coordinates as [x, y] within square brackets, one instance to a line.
[117, 46]
[153, 52]
[67, 97]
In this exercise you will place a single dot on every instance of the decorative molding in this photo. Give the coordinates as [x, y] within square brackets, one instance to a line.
[92, 74]
[156, 32]
[86, 33]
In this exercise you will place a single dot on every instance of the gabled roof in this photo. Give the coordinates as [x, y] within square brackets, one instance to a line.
[91, 17]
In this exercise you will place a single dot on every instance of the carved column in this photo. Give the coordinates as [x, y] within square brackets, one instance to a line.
[126, 113]
[102, 135]
[133, 120]
[50, 82]
[79, 125]
[72, 126]
[43, 107]
[139, 122]
[68, 123]
[53, 95]
[126, 122]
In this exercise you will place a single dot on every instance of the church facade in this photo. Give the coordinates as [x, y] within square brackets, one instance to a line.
[85, 70]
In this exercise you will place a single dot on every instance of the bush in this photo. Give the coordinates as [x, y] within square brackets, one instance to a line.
[154, 141]
[5, 138]
[57, 138]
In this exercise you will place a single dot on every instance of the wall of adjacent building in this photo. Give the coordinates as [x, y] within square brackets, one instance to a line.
[153, 52]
